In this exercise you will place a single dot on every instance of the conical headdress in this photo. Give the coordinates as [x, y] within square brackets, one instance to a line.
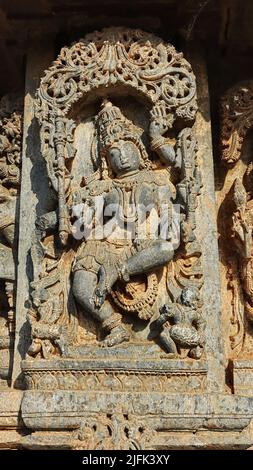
[113, 126]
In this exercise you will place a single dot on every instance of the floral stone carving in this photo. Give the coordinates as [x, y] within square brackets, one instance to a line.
[117, 431]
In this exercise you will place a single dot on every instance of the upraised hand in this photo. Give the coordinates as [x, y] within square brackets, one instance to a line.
[159, 124]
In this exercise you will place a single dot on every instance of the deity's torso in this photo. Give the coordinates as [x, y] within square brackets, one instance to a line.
[135, 193]
[127, 207]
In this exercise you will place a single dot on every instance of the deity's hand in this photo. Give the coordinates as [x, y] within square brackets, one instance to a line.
[105, 283]
[101, 289]
[159, 121]
[99, 297]
[164, 315]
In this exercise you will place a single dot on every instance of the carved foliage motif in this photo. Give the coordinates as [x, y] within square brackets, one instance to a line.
[117, 381]
[237, 119]
[112, 431]
[132, 57]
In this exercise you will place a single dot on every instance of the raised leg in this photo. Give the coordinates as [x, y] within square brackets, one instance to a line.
[156, 255]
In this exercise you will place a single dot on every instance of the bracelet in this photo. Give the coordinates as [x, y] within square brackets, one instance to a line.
[123, 273]
[160, 141]
[157, 142]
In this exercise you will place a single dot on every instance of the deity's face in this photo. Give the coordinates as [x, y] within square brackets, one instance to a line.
[124, 157]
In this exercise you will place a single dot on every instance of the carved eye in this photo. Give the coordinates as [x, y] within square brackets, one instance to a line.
[114, 152]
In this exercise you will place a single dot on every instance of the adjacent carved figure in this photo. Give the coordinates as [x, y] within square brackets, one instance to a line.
[46, 334]
[237, 120]
[10, 163]
[242, 226]
[182, 325]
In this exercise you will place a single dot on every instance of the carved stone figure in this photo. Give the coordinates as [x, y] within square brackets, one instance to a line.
[100, 263]
[182, 326]
[237, 120]
[236, 225]
[126, 260]
[242, 225]
[137, 172]
[46, 334]
[10, 160]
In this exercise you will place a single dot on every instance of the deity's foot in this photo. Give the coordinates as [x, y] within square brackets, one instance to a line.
[118, 335]
[196, 353]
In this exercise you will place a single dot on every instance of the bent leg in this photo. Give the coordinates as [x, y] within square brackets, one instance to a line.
[168, 343]
[84, 285]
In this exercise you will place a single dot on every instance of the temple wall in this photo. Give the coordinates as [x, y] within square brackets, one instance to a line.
[126, 227]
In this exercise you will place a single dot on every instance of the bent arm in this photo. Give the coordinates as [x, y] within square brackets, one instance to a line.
[165, 150]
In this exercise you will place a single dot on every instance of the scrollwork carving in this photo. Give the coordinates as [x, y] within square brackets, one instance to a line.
[236, 119]
[132, 57]
[116, 380]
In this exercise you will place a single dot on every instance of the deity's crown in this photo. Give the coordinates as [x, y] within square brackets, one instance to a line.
[112, 125]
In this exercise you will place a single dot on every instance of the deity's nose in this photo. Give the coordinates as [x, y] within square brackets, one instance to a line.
[123, 157]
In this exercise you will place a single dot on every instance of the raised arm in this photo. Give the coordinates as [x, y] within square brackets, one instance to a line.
[163, 146]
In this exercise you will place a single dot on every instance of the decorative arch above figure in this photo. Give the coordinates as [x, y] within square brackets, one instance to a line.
[137, 59]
